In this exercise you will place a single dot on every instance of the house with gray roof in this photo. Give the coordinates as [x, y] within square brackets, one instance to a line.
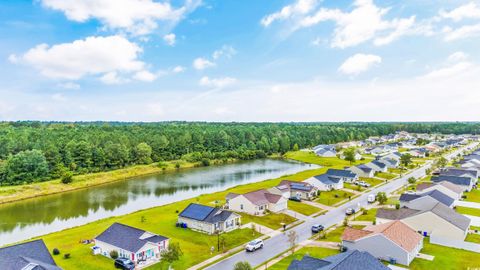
[390, 162]
[362, 171]
[349, 260]
[258, 202]
[465, 182]
[141, 247]
[445, 187]
[346, 175]
[438, 220]
[207, 219]
[425, 200]
[461, 172]
[32, 255]
[377, 166]
[325, 182]
[295, 189]
[326, 152]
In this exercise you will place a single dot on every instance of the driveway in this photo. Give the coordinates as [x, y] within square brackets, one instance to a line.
[279, 244]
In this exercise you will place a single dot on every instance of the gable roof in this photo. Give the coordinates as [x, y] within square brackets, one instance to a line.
[435, 194]
[327, 179]
[457, 180]
[33, 253]
[302, 186]
[379, 164]
[364, 168]
[128, 238]
[349, 260]
[341, 173]
[455, 188]
[307, 263]
[396, 214]
[205, 213]
[459, 172]
[397, 232]
[261, 197]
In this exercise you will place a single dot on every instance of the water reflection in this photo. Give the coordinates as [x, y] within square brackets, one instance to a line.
[26, 219]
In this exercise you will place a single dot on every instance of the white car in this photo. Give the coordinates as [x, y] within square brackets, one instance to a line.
[363, 184]
[371, 198]
[349, 211]
[254, 245]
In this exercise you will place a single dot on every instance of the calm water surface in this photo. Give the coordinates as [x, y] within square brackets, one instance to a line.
[39, 216]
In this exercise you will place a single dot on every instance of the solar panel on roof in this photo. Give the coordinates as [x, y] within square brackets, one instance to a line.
[299, 186]
[197, 211]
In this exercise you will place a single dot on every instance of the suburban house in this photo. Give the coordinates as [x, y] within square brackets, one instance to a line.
[208, 219]
[325, 182]
[256, 202]
[461, 172]
[393, 241]
[426, 200]
[293, 189]
[438, 221]
[349, 260]
[417, 153]
[326, 152]
[394, 155]
[140, 246]
[32, 255]
[445, 187]
[346, 175]
[466, 183]
[362, 171]
[377, 166]
[390, 162]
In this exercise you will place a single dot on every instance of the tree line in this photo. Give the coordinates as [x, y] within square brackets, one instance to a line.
[38, 151]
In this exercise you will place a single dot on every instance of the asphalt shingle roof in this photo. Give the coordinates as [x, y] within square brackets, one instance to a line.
[127, 237]
[327, 179]
[457, 180]
[436, 194]
[19, 256]
[341, 173]
[350, 260]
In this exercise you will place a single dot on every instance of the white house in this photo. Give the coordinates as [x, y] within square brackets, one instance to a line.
[346, 175]
[447, 188]
[294, 189]
[393, 240]
[207, 219]
[390, 162]
[325, 182]
[326, 152]
[377, 166]
[256, 202]
[426, 200]
[362, 171]
[140, 246]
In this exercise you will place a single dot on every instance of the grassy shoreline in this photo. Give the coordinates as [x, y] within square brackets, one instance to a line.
[9, 194]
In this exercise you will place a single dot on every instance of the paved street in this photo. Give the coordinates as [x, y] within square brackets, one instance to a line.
[278, 244]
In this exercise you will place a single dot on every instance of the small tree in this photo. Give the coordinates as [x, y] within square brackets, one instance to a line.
[67, 177]
[412, 180]
[441, 162]
[349, 155]
[295, 147]
[382, 197]
[292, 239]
[55, 251]
[345, 222]
[114, 254]
[406, 160]
[172, 253]
[242, 266]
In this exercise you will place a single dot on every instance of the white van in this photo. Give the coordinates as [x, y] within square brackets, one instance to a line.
[371, 198]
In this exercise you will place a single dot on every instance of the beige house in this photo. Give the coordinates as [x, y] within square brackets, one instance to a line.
[445, 187]
[391, 241]
[256, 202]
[440, 221]
[293, 189]
[208, 219]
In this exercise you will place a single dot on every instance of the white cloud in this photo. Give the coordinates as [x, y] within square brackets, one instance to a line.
[59, 97]
[202, 63]
[457, 57]
[138, 17]
[468, 11]
[461, 32]
[112, 78]
[226, 51]
[178, 69]
[170, 39]
[359, 63]
[145, 76]
[217, 83]
[107, 56]
[69, 85]
[300, 7]
[456, 64]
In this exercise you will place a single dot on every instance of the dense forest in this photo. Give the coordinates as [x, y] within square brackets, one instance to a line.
[38, 151]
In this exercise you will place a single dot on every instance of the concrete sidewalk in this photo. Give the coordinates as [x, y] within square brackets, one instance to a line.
[319, 205]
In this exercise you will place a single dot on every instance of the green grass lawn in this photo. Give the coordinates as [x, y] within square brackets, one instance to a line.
[474, 228]
[372, 181]
[446, 258]
[395, 170]
[393, 200]
[336, 234]
[370, 216]
[473, 237]
[353, 187]
[468, 211]
[473, 196]
[386, 175]
[316, 252]
[303, 208]
[272, 220]
[333, 197]
[331, 162]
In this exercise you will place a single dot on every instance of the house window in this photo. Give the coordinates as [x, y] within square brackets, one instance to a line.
[241, 206]
[261, 207]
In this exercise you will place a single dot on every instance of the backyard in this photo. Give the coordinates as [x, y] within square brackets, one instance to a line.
[272, 220]
[333, 197]
[473, 196]
[303, 208]
[446, 258]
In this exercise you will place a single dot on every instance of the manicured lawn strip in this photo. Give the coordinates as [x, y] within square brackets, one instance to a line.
[473, 196]
[468, 211]
[474, 228]
[370, 216]
[385, 175]
[316, 252]
[336, 234]
[310, 157]
[372, 181]
[446, 258]
[395, 170]
[271, 220]
[333, 197]
[353, 187]
[303, 208]
[393, 200]
[473, 237]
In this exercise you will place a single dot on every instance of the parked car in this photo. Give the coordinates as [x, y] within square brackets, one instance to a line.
[350, 211]
[254, 245]
[363, 184]
[371, 198]
[297, 199]
[317, 228]
[124, 263]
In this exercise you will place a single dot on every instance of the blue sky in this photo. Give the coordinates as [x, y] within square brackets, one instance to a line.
[289, 60]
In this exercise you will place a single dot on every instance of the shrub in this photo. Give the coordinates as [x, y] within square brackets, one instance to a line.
[205, 162]
[397, 206]
[56, 251]
[67, 177]
[177, 165]
[114, 254]
[66, 256]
